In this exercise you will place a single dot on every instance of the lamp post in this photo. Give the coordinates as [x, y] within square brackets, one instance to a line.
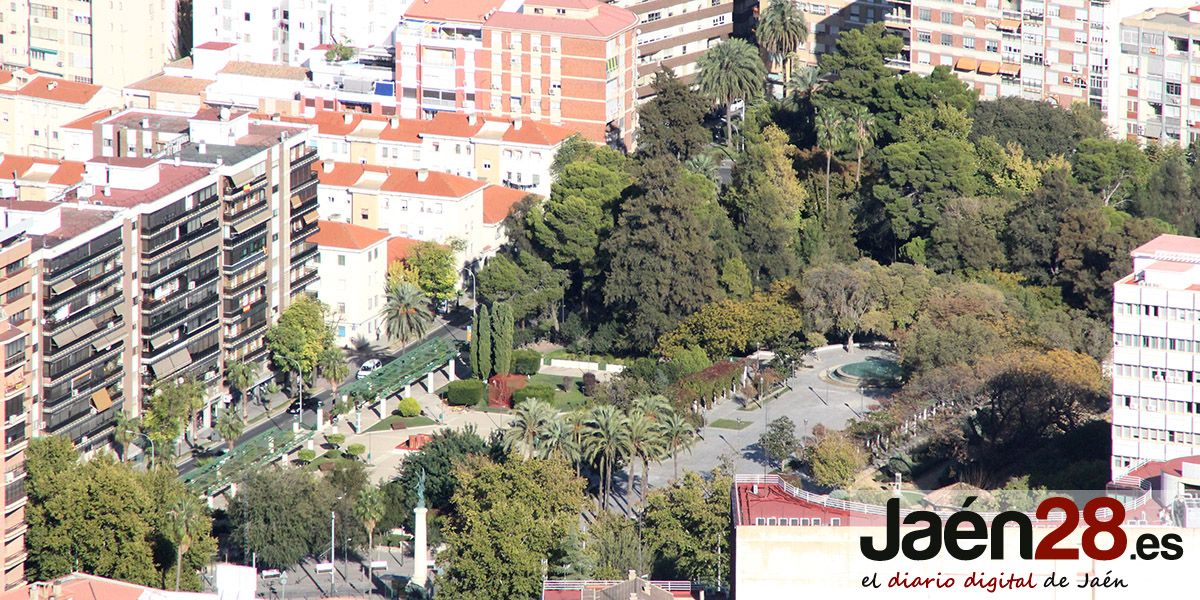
[283, 582]
[139, 433]
[474, 298]
[332, 556]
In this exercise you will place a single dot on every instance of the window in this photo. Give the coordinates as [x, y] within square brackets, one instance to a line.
[924, 14]
[653, 16]
[835, 521]
[341, 307]
[968, 42]
[993, 46]
[924, 36]
[947, 39]
[947, 17]
[246, 16]
[342, 259]
[365, 214]
[1174, 89]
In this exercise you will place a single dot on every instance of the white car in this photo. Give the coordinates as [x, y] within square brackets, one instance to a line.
[369, 366]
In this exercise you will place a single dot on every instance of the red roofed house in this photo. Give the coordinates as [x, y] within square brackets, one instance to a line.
[352, 274]
[32, 116]
[37, 179]
[1156, 308]
[566, 62]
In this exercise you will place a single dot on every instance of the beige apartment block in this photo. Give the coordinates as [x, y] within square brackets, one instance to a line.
[33, 109]
[674, 34]
[111, 43]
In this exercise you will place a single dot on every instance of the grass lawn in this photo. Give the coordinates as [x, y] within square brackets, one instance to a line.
[329, 456]
[729, 424]
[416, 421]
[569, 400]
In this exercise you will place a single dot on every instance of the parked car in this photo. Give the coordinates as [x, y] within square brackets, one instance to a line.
[368, 366]
[310, 403]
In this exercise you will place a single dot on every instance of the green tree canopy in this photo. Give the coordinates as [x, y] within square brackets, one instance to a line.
[281, 515]
[437, 270]
[672, 123]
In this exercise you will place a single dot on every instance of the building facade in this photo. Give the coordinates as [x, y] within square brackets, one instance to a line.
[569, 62]
[16, 308]
[674, 34]
[353, 272]
[32, 115]
[1159, 77]
[106, 43]
[1156, 354]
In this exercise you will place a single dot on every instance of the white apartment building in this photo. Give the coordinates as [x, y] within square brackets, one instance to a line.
[111, 43]
[283, 31]
[352, 276]
[675, 34]
[33, 109]
[1159, 77]
[1156, 355]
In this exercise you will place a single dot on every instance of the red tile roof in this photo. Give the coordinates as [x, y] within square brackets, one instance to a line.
[498, 202]
[66, 172]
[399, 180]
[452, 10]
[170, 84]
[85, 123]
[607, 22]
[346, 236]
[60, 90]
[215, 46]
[1173, 244]
[5, 77]
[265, 70]
[537, 133]
[398, 248]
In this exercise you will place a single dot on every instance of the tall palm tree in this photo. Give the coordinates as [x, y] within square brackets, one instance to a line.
[557, 441]
[241, 375]
[576, 424]
[830, 137]
[861, 129]
[678, 435]
[528, 426]
[230, 426]
[781, 29]
[183, 524]
[125, 433]
[406, 312]
[804, 82]
[656, 407]
[369, 508]
[331, 363]
[646, 443]
[607, 441]
[730, 71]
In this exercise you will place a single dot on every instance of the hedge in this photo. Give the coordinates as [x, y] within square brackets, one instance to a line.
[542, 392]
[526, 362]
[409, 407]
[466, 392]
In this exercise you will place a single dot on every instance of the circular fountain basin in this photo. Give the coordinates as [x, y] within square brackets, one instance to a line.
[874, 372]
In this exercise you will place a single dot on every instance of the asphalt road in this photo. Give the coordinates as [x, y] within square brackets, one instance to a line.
[454, 327]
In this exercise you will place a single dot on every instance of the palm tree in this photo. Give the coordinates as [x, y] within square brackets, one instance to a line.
[331, 363]
[241, 375]
[781, 29]
[646, 443]
[730, 71]
[230, 426]
[656, 407]
[678, 435]
[406, 312]
[183, 523]
[528, 426]
[576, 425]
[557, 441]
[704, 164]
[861, 129]
[369, 508]
[125, 433]
[607, 441]
[804, 82]
[830, 136]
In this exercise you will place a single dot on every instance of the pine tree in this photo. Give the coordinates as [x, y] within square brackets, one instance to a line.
[502, 338]
[473, 353]
[484, 334]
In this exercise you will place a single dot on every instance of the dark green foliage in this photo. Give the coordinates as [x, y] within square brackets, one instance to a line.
[544, 393]
[502, 338]
[437, 459]
[466, 392]
[1042, 129]
[482, 339]
[282, 515]
[673, 122]
[527, 362]
[1168, 193]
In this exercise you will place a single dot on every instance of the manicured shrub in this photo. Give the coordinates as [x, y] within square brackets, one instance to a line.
[306, 456]
[526, 362]
[409, 407]
[589, 384]
[356, 450]
[335, 439]
[542, 392]
[466, 392]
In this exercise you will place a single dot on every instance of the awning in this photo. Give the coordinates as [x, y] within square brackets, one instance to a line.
[63, 286]
[108, 340]
[161, 339]
[1010, 70]
[65, 338]
[204, 245]
[966, 63]
[296, 201]
[102, 400]
[209, 217]
[241, 179]
[989, 67]
[172, 363]
[311, 217]
[252, 222]
[1009, 24]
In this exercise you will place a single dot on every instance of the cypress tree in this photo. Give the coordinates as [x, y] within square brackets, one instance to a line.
[473, 351]
[484, 362]
[502, 338]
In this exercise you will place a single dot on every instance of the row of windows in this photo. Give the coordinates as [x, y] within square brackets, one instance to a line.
[1155, 343]
[804, 522]
[1157, 373]
[1155, 435]
[1158, 312]
[1160, 405]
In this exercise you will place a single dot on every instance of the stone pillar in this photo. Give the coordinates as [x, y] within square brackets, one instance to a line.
[295, 426]
[408, 391]
[420, 549]
[206, 413]
[233, 490]
[429, 382]
[320, 419]
[450, 370]
[383, 411]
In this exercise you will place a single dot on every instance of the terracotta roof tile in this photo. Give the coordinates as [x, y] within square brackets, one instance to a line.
[215, 46]
[65, 172]
[85, 123]
[537, 133]
[269, 71]
[452, 10]
[170, 84]
[5, 77]
[410, 181]
[607, 22]
[398, 248]
[60, 90]
[346, 236]
[498, 202]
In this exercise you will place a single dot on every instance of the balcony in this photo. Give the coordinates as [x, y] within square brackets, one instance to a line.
[897, 19]
[76, 367]
[14, 495]
[303, 276]
[303, 253]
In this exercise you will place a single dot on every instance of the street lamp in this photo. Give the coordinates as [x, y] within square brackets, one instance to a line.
[474, 298]
[139, 433]
[283, 582]
[856, 413]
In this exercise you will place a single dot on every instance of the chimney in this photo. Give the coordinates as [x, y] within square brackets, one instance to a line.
[422, 174]
[517, 124]
[394, 123]
[177, 160]
[347, 118]
[275, 117]
[471, 119]
[754, 489]
[327, 166]
[224, 113]
[52, 85]
[145, 123]
[107, 193]
[202, 148]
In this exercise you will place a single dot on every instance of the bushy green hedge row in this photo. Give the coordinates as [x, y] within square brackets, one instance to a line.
[466, 392]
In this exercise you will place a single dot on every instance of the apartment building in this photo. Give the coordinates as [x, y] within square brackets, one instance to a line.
[1159, 77]
[569, 62]
[16, 303]
[828, 18]
[1156, 355]
[110, 43]
[281, 31]
[353, 273]
[674, 34]
[37, 179]
[33, 108]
